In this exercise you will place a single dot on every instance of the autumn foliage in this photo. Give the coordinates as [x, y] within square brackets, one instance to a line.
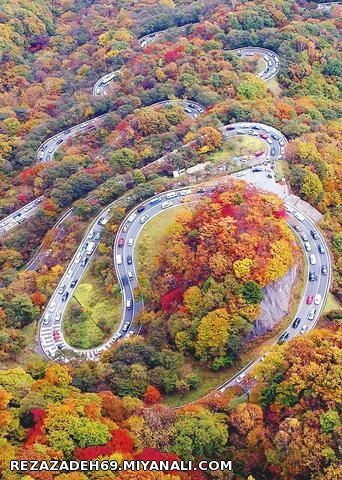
[152, 395]
[120, 442]
[215, 261]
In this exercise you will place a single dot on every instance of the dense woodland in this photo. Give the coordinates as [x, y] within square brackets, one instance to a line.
[285, 424]
[289, 428]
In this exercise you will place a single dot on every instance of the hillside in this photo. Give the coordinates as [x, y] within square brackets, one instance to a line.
[210, 270]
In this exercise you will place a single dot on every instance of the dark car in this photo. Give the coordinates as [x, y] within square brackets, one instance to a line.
[141, 209]
[65, 296]
[313, 277]
[84, 261]
[314, 234]
[73, 283]
[124, 280]
[296, 322]
[273, 151]
[59, 141]
[129, 260]
[321, 249]
[324, 270]
[283, 337]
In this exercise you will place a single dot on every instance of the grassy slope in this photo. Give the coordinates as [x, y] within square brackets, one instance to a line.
[100, 307]
[331, 304]
[236, 147]
[151, 236]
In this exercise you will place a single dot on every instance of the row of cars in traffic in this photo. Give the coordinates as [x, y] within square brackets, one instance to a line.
[271, 60]
[313, 276]
[52, 318]
[165, 201]
[264, 132]
[46, 151]
[20, 215]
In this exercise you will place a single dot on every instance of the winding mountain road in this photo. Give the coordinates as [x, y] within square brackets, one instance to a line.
[47, 150]
[51, 333]
[271, 60]
[315, 250]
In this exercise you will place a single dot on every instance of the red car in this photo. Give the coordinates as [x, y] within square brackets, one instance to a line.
[309, 300]
[121, 242]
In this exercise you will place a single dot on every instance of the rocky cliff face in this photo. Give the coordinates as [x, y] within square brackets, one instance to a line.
[275, 303]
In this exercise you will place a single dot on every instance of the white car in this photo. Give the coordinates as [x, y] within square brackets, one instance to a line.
[52, 307]
[125, 327]
[312, 259]
[46, 319]
[240, 377]
[269, 140]
[130, 242]
[318, 299]
[171, 195]
[78, 257]
[299, 216]
[185, 192]
[130, 274]
[132, 217]
[143, 218]
[166, 205]
[303, 329]
[307, 246]
[289, 209]
[312, 314]
[58, 317]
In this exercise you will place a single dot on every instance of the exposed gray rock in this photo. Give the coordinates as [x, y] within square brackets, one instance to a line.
[275, 303]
